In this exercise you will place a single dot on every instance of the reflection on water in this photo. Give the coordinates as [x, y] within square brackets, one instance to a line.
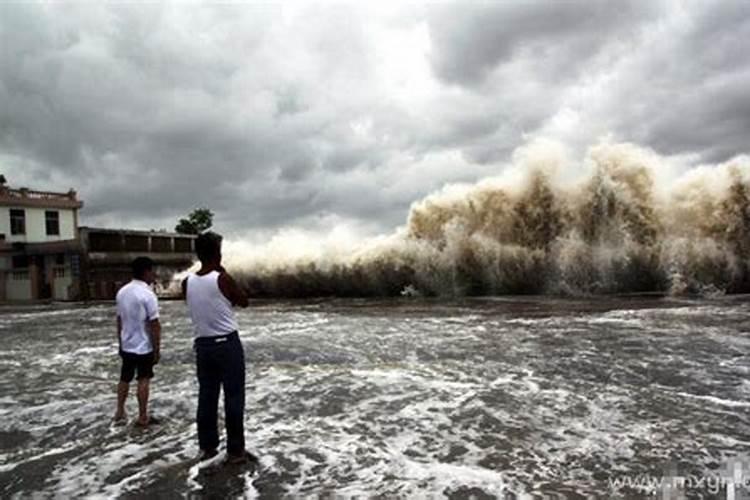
[482, 398]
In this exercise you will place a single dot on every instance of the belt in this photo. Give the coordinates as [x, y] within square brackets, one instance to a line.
[216, 339]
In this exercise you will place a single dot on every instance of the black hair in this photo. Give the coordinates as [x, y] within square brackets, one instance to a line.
[208, 246]
[140, 265]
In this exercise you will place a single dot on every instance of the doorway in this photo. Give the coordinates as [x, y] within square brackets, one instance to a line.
[44, 287]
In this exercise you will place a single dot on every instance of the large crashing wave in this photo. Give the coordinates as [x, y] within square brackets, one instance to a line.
[609, 224]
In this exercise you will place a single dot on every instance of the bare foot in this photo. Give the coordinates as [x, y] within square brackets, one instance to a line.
[119, 419]
[145, 422]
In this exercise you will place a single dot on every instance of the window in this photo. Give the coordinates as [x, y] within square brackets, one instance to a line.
[20, 261]
[20, 275]
[135, 243]
[182, 245]
[52, 222]
[161, 244]
[17, 221]
[60, 259]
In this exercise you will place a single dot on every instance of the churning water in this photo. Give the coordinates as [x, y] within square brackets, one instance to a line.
[622, 219]
[399, 398]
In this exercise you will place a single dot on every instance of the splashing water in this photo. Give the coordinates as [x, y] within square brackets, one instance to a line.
[617, 222]
[516, 397]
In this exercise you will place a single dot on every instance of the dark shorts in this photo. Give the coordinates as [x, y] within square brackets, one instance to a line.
[142, 363]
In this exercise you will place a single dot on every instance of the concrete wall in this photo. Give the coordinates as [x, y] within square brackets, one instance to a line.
[36, 231]
[18, 289]
[58, 276]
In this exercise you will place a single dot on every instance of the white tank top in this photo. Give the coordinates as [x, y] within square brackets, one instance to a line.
[210, 310]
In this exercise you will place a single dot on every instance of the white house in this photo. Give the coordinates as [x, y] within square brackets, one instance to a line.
[39, 244]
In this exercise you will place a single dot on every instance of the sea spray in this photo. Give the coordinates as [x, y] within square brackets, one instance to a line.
[611, 223]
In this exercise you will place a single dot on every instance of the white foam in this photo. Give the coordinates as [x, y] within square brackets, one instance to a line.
[196, 469]
[715, 400]
[430, 405]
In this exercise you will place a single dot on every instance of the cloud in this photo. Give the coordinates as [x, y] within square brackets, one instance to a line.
[281, 115]
[560, 37]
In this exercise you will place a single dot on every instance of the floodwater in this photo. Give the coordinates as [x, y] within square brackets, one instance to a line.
[493, 398]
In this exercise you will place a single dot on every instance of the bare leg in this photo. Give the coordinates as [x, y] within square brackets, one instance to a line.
[143, 401]
[122, 395]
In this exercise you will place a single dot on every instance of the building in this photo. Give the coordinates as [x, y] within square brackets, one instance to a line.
[45, 255]
[108, 253]
[39, 244]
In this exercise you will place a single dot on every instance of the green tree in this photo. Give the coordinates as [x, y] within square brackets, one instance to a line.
[199, 220]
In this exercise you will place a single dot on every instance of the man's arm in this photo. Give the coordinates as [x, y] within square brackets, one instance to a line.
[154, 328]
[119, 333]
[153, 325]
[184, 289]
[232, 291]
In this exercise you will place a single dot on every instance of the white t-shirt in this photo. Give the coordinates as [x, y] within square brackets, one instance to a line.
[136, 306]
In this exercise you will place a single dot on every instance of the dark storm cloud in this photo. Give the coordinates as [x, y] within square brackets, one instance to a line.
[279, 115]
[685, 91]
[148, 119]
[470, 41]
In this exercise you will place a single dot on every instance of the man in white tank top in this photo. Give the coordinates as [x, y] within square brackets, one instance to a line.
[220, 360]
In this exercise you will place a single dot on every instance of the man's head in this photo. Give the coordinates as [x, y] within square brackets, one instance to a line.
[208, 248]
[143, 269]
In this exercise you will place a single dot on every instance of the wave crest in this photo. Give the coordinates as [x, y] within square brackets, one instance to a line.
[609, 224]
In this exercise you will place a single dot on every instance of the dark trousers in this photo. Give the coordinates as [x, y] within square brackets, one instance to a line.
[221, 364]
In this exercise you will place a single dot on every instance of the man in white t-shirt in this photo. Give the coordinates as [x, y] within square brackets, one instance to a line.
[138, 337]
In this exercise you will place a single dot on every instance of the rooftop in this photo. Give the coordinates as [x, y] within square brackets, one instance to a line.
[135, 232]
[25, 197]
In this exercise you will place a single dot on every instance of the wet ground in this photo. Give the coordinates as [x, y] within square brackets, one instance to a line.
[495, 398]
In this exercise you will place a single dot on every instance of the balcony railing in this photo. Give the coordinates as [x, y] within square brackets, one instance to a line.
[30, 194]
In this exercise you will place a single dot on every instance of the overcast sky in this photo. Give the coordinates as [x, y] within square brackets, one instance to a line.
[312, 115]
